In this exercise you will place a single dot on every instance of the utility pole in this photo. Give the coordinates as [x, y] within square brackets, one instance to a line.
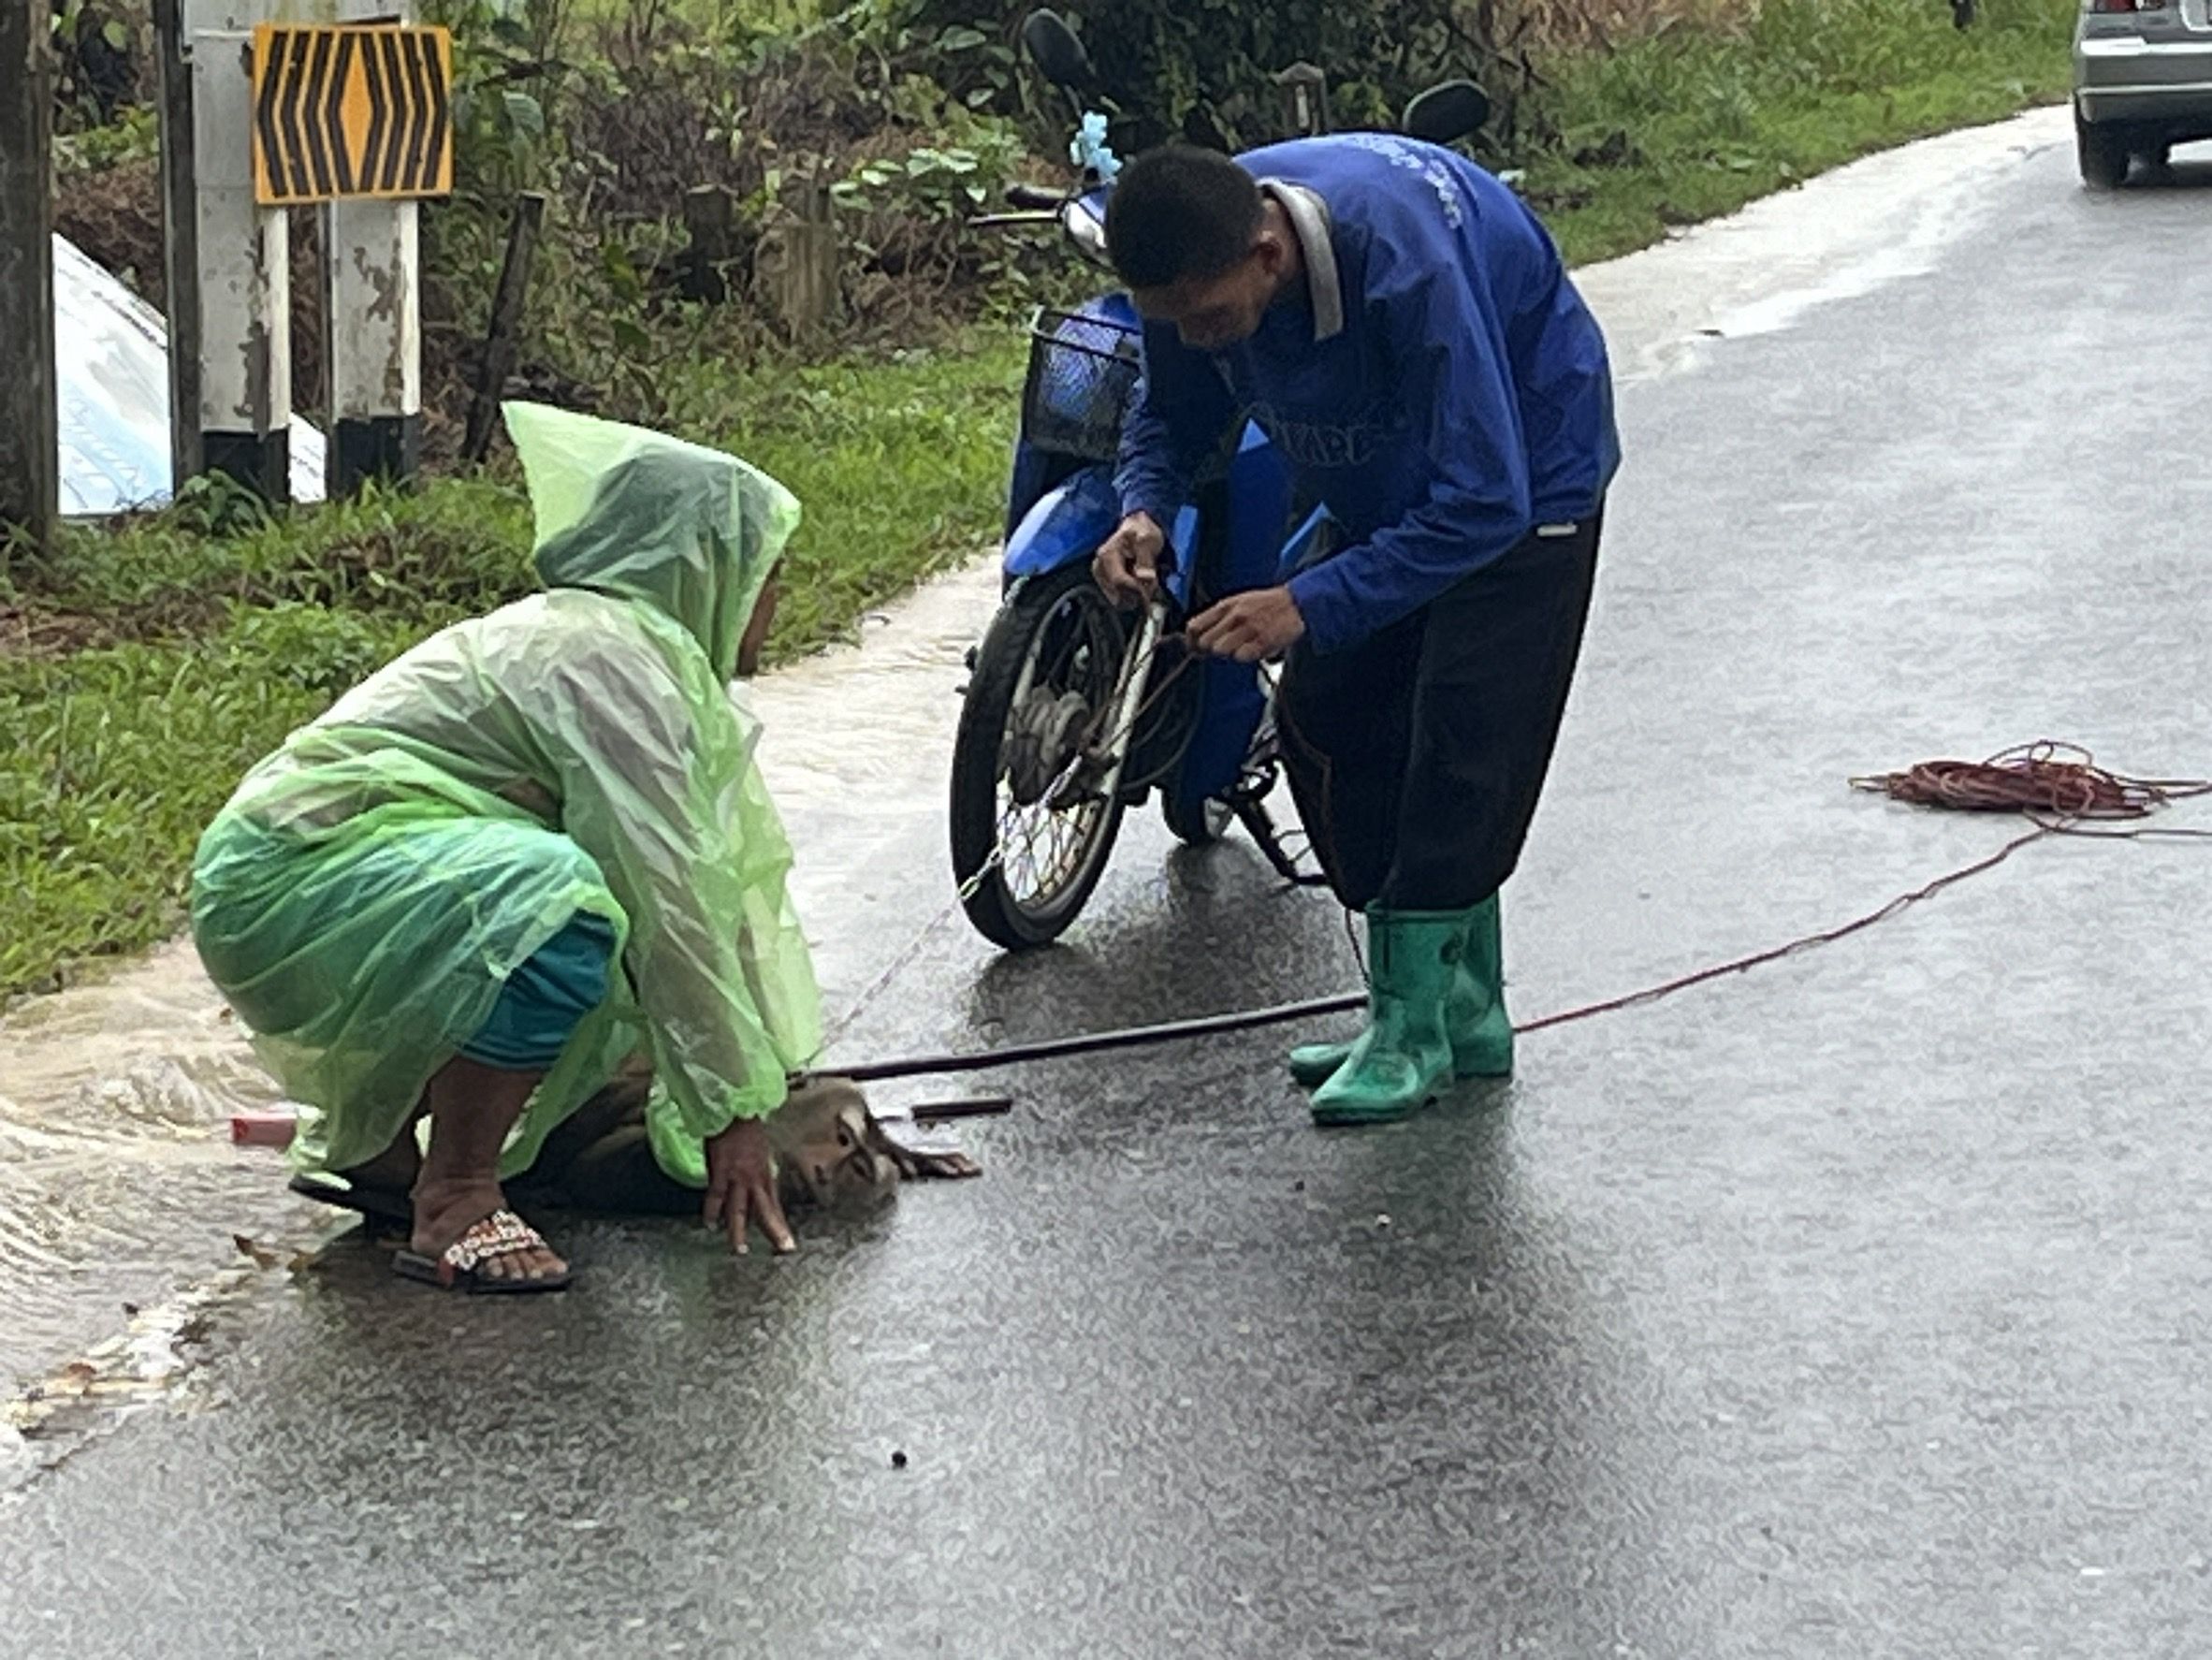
[30, 439]
[179, 220]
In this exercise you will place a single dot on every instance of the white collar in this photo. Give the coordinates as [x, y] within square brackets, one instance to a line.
[1309, 218]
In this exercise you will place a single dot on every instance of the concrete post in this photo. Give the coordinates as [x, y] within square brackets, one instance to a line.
[1306, 101]
[808, 290]
[710, 220]
[372, 322]
[244, 252]
[30, 444]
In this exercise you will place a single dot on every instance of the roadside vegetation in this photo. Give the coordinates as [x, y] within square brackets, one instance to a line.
[145, 667]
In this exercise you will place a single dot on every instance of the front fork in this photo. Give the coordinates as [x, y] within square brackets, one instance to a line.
[1109, 756]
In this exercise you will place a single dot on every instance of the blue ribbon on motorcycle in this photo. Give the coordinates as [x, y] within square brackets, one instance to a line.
[1091, 153]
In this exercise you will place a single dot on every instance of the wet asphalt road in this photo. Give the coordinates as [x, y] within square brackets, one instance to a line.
[1856, 1307]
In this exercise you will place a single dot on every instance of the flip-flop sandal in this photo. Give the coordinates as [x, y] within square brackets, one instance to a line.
[459, 1268]
[395, 1205]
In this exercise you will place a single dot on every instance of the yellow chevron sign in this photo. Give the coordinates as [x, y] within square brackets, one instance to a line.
[351, 110]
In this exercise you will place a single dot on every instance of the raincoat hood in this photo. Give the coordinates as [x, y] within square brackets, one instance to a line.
[687, 531]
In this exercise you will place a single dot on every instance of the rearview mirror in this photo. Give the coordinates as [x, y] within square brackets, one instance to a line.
[1446, 113]
[1053, 47]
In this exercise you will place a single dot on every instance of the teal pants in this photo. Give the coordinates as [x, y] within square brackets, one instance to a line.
[545, 997]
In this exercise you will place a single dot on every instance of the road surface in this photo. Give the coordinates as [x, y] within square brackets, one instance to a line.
[1857, 1306]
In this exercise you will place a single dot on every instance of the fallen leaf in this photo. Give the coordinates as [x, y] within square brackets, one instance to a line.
[263, 1257]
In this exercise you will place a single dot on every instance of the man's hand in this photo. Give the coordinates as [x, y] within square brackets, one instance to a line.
[1249, 627]
[755, 638]
[741, 1187]
[1127, 565]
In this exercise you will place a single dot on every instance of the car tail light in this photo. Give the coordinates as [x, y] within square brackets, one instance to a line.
[2117, 5]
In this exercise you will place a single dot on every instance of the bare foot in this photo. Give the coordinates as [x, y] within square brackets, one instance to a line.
[444, 1210]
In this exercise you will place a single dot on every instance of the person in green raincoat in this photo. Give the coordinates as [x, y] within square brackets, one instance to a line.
[526, 849]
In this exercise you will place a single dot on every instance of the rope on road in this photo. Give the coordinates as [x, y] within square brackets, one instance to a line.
[2058, 787]
[2054, 783]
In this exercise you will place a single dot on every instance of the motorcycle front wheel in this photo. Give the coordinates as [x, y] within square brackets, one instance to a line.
[1031, 826]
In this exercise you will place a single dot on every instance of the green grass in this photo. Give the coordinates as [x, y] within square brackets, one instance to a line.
[201, 649]
[120, 757]
[202, 639]
[1704, 123]
[899, 467]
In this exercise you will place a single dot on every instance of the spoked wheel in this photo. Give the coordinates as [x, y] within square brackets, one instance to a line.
[1032, 822]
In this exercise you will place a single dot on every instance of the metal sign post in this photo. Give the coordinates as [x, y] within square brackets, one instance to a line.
[30, 441]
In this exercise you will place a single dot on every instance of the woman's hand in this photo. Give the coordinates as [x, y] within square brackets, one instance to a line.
[741, 1187]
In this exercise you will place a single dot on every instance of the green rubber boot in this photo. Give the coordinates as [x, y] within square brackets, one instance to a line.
[1405, 1055]
[1474, 1018]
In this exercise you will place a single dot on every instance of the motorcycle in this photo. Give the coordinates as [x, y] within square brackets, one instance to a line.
[1076, 710]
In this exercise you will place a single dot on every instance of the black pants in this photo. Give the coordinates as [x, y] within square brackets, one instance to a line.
[1416, 756]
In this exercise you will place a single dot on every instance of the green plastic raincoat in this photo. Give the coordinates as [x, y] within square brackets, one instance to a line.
[367, 891]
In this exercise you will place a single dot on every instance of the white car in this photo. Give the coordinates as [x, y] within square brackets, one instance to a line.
[2142, 82]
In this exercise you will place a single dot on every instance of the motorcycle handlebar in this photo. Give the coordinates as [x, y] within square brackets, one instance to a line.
[1025, 218]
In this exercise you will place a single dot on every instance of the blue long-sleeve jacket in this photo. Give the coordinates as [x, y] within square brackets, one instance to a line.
[1440, 384]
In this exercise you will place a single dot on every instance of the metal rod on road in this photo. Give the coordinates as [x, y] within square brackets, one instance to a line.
[1211, 1026]
[30, 438]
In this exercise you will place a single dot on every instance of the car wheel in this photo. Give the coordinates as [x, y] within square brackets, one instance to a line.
[2103, 150]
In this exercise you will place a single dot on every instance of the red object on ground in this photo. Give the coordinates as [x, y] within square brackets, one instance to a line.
[262, 1129]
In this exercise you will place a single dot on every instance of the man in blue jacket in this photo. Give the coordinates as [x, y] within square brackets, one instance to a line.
[1402, 327]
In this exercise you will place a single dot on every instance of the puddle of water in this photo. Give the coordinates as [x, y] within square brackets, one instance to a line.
[116, 1171]
[153, 1360]
[858, 749]
[118, 1182]
[119, 1186]
[1844, 235]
